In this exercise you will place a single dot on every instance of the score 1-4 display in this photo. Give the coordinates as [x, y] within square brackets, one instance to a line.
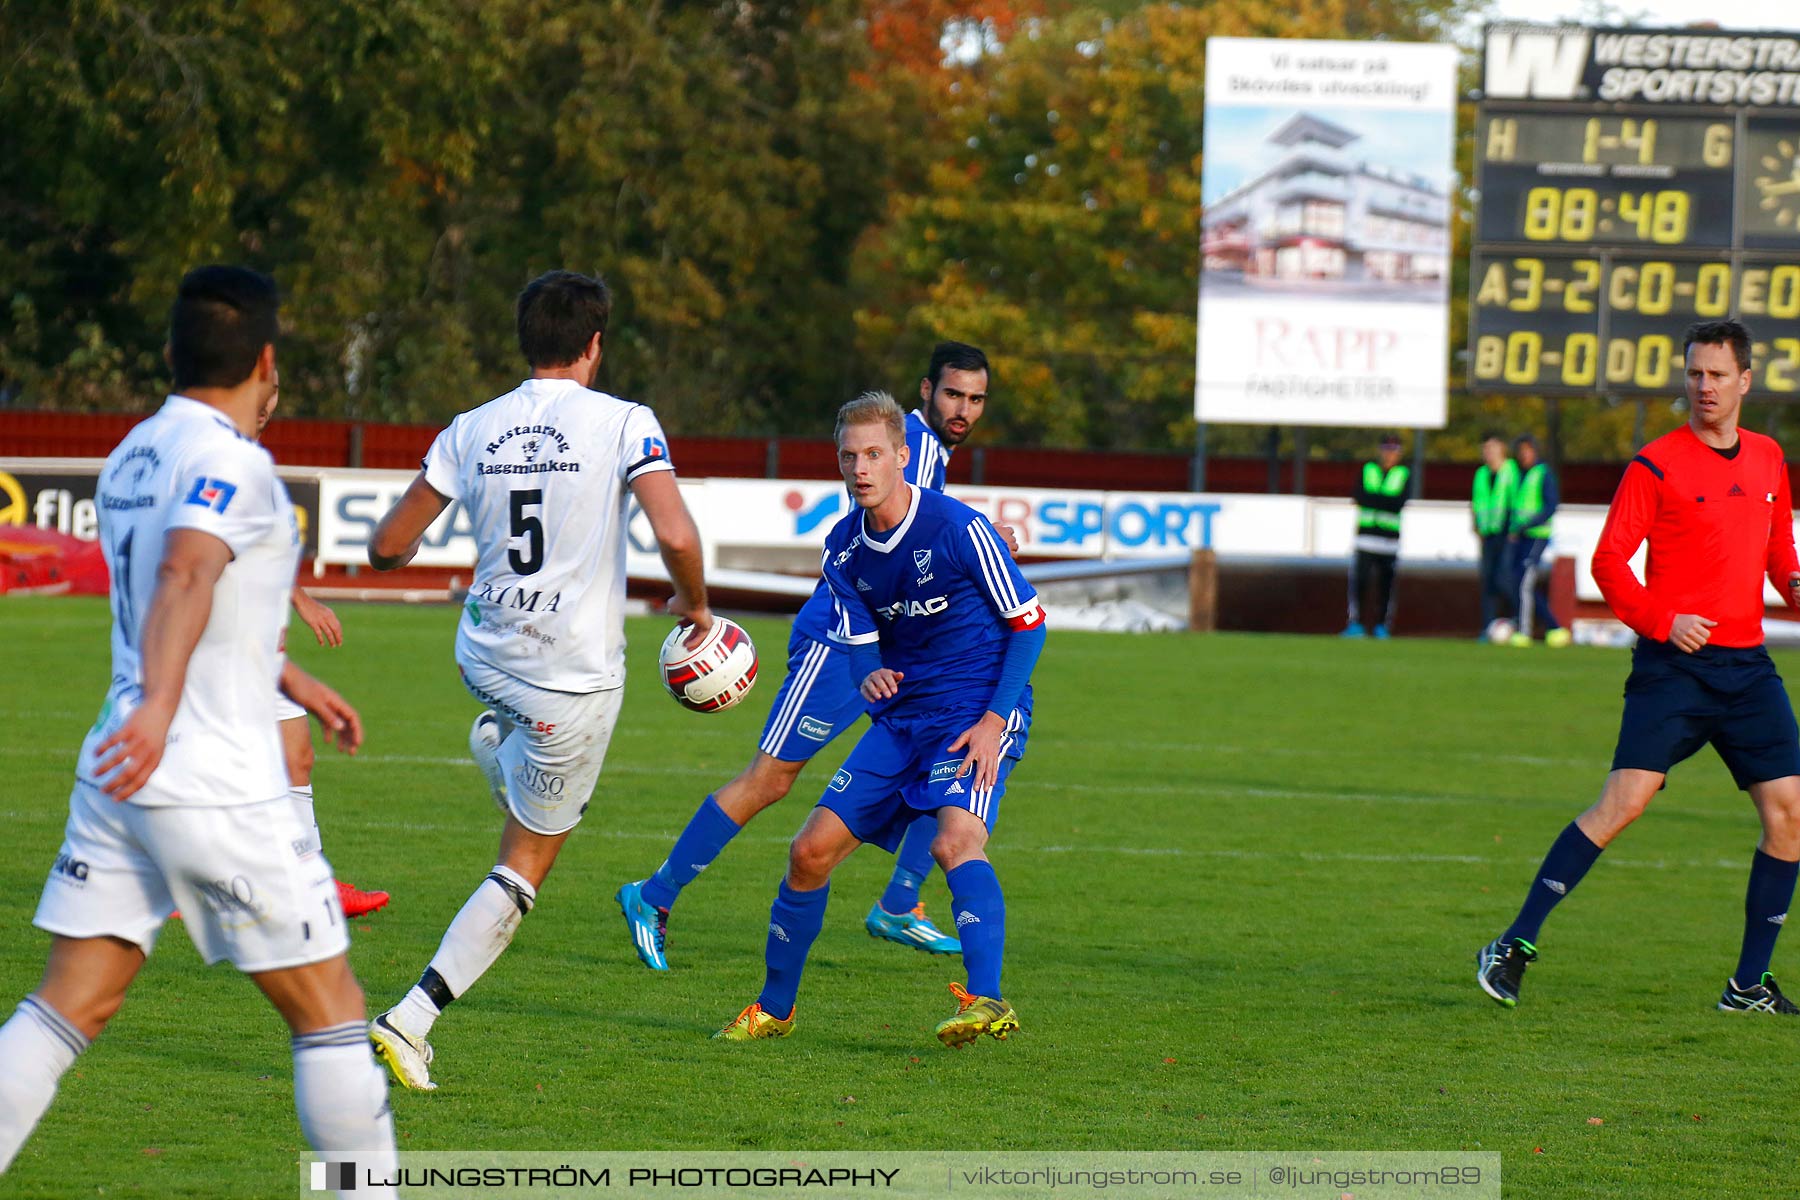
[1612, 323]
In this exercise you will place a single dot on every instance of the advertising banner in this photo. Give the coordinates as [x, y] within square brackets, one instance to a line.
[352, 502]
[58, 494]
[1325, 236]
[1048, 523]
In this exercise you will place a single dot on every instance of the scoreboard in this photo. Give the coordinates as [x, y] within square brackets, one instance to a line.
[1632, 182]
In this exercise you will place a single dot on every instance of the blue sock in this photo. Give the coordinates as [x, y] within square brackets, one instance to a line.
[980, 923]
[911, 865]
[705, 836]
[1765, 908]
[1568, 860]
[794, 922]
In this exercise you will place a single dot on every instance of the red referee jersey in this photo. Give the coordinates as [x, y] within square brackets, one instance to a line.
[1716, 527]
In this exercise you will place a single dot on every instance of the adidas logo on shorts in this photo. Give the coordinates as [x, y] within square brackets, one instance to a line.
[956, 789]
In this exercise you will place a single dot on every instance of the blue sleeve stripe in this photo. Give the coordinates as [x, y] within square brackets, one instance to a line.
[993, 567]
[1654, 469]
[1002, 562]
[925, 454]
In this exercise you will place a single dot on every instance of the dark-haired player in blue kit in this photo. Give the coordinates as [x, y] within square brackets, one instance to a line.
[943, 632]
[818, 701]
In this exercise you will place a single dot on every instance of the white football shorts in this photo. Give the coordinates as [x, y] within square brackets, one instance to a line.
[553, 745]
[285, 709]
[250, 880]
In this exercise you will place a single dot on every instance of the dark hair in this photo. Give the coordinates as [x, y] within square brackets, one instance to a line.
[1525, 439]
[1721, 333]
[559, 313]
[221, 320]
[956, 356]
[1492, 435]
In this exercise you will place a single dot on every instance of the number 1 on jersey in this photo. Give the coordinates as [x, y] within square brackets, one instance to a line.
[530, 527]
[121, 581]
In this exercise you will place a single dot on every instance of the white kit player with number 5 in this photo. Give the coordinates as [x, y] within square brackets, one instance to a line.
[545, 476]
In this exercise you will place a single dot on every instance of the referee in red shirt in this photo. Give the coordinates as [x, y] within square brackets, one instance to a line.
[1713, 502]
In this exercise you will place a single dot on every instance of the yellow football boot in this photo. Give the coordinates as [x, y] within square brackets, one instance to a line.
[976, 1015]
[754, 1023]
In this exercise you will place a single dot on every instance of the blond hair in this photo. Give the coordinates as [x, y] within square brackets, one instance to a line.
[872, 408]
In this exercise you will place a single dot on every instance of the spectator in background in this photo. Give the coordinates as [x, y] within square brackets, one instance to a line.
[1528, 532]
[1496, 482]
[1380, 495]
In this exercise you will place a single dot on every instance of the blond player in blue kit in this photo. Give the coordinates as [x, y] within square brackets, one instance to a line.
[942, 632]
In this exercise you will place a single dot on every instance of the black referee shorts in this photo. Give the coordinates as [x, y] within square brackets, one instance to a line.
[1677, 702]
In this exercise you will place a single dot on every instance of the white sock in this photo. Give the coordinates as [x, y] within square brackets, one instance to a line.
[302, 796]
[37, 1044]
[340, 1093]
[471, 945]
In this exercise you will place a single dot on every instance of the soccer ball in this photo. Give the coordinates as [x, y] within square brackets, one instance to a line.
[1500, 631]
[715, 675]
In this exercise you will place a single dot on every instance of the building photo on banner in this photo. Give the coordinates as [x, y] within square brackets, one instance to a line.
[1325, 235]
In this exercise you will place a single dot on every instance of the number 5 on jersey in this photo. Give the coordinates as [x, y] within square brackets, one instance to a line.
[529, 527]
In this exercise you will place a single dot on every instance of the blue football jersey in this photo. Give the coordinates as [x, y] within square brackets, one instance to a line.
[939, 592]
[925, 467]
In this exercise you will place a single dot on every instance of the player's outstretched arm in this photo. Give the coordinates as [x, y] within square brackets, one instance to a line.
[318, 617]
[397, 537]
[678, 541]
[343, 724]
[1628, 520]
[191, 564]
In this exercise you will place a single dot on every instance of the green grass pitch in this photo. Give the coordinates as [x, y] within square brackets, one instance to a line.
[1246, 877]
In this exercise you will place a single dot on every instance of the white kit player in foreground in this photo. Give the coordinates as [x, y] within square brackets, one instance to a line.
[543, 473]
[181, 796]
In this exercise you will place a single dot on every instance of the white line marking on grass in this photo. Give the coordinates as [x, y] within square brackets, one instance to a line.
[1289, 751]
[1310, 856]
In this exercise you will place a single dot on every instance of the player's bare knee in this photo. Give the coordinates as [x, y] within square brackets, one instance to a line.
[771, 779]
[951, 848]
[810, 860]
[1623, 800]
[1779, 810]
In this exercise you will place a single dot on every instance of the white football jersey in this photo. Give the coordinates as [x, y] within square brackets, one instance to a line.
[543, 473]
[188, 467]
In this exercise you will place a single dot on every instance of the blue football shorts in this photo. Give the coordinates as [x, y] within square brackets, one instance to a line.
[818, 700]
[1733, 697]
[903, 769]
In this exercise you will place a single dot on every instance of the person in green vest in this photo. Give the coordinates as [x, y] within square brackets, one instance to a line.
[1496, 480]
[1529, 529]
[1380, 495]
